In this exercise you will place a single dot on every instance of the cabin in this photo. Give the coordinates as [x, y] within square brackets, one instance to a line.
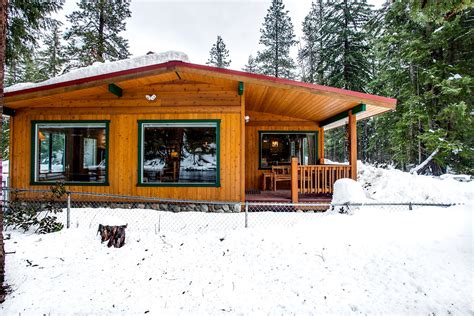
[177, 130]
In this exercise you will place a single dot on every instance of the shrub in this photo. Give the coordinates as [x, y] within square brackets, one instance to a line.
[40, 215]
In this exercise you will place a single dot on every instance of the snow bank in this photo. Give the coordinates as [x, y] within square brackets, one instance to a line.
[402, 263]
[392, 185]
[348, 191]
[99, 68]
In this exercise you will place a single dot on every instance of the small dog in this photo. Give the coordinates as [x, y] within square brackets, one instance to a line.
[114, 234]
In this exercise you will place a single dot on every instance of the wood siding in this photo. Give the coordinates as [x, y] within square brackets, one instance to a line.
[266, 122]
[189, 101]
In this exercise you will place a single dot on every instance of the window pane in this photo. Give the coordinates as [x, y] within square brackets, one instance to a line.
[71, 152]
[179, 152]
[278, 148]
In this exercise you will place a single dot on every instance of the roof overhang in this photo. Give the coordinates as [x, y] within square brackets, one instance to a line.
[263, 93]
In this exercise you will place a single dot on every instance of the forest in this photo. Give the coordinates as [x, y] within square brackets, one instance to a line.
[419, 52]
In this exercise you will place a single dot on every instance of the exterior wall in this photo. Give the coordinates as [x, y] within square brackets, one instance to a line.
[265, 122]
[123, 149]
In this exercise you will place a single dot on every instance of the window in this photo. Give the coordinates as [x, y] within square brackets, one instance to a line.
[277, 148]
[70, 152]
[179, 153]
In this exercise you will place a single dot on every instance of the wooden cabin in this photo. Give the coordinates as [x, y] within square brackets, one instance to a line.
[178, 130]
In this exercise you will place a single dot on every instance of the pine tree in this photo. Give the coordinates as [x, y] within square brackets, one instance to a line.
[219, 54]
[94, 32]
[251, 65]
[310, 54]
[25, 68]
[345, 44]
[26, 20]
[425, 57]
[277, 36]
[52, 58]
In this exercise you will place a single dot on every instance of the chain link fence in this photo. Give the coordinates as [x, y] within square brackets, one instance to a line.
[146, 214]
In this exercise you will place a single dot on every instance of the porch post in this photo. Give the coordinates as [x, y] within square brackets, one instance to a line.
[321, 145]
[294, 179]
[353, 145]
[242, 141]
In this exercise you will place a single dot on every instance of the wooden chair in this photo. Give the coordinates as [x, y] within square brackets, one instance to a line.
[280, 173]
[265, 176]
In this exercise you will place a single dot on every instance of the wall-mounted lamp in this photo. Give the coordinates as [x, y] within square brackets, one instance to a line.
[247, 118]
[150, 97]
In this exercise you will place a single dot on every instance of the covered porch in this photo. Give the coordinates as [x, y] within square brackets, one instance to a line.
[303, 177]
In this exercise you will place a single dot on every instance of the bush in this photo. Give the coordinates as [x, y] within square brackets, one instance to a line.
[40, 215]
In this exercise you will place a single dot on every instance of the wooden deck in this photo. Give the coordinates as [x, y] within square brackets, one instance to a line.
[284, 196]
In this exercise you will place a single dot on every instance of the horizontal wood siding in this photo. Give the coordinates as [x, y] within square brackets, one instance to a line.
[123, 142]
[272, 123]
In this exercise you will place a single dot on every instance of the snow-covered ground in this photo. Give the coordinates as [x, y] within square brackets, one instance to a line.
[392, 185]
[376, 261]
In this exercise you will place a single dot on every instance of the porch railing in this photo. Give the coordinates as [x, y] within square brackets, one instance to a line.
[315, 178]
[320, 178]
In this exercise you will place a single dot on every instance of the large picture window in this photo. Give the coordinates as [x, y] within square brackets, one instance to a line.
[70, 152]
[277, 148]
[179, 153]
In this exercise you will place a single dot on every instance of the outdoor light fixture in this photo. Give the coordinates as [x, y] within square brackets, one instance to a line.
[247, 118]
[150, 97]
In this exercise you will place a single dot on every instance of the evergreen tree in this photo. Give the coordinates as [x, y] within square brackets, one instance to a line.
[26, 20]
[5, 139]
[251, 65]
[277, 36]
[310, 54]
[52, 58]
[425, 56]
[339, 34]
[24, 69]
[219, 54]
[344, 40]
[31, 71]
[94, 32]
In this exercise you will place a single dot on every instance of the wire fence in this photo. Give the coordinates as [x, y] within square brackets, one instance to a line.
[147, 214]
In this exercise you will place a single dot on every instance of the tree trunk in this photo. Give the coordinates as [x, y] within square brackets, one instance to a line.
[101, 44]
[3, 32]
[114, 235]
[425, 163]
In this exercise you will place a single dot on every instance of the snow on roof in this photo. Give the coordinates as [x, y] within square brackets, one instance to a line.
[100, 68]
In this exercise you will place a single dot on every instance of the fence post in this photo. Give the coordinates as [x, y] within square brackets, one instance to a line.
[410, 207]
[68, 211]
[246, 214]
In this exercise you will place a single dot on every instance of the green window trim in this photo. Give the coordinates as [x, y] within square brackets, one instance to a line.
[260, 134]
[34, 123]
[216, 184]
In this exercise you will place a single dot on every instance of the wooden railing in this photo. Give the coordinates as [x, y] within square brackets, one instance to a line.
[315, 178]
[321, 178]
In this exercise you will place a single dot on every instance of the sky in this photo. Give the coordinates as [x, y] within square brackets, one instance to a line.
[192, 26]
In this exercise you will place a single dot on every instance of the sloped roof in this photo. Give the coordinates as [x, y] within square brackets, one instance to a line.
[262, 93]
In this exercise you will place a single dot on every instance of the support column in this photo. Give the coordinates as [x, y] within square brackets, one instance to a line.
[294, 179]
[353, 145]
[242, 141]
[321, 145]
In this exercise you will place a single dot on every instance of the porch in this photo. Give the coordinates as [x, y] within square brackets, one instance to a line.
[309, 184]
[289, 165]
